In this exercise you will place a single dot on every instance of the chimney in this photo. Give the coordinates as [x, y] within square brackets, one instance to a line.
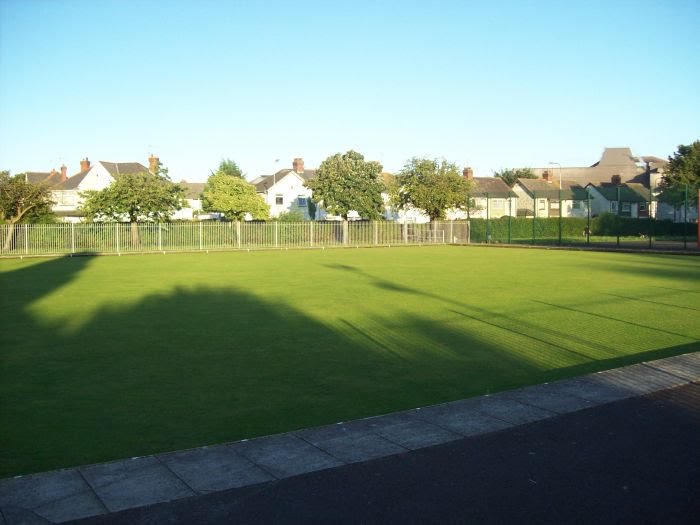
[298, 165]
[547, 176]
[53, 173]
[616, 180]
[468, 173]
[84, 165]
[153, 163]
[64, 172]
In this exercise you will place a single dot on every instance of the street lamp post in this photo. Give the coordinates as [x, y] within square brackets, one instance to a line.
[557, 164]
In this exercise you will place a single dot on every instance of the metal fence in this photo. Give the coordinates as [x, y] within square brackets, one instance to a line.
[111, 238]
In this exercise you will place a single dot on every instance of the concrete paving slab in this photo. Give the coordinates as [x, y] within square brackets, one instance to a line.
[134, 483]
[18, 516]
[350, 445]
[214, 468]
[508, 410]
[73, 507]
[464, 420]
[549, 396]
[679, 366]
[595, 389]
[640, 379]
[284, 455]
[33, 491]
[411, 434]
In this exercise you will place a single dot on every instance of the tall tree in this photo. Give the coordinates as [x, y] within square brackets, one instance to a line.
[510, 176]
[230, 168]
[234, 197]
[683, 169]
[134, 197]
[20, 201]
[347, 182]
[431, 185]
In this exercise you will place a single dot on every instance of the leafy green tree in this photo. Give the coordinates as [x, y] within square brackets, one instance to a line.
[230, 168]
[683, 169]
[21, 201]
[134, 197]
[510, 176]
[346, 182]
[291, 216]
[234, 197]
[431, 185]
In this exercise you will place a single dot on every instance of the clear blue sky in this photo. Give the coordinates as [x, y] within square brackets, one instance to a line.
[493, 84]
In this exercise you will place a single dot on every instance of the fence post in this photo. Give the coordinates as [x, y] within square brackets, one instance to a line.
[345, 231]
[510, 220]
[651, 224]
[588, 225]
[160, 238]
[488, 222]
[376, 232]
[200, 235]
[277, 229]
[72, 238]
[561, 208]
[405, 232]
[685, 219]
[452, 236]
[26, 238]
[618, 216]
[534, 214]
[311, 234]
[238, 234]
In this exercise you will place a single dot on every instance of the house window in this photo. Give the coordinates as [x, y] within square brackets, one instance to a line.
[542, 204]
[497, 203]
[613, 206]
[626, 207]
[576, 205]
[279, 200]
[642, 206]
[301, 201]
[555, 205]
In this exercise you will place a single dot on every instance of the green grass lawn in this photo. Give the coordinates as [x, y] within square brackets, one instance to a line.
[112, 357]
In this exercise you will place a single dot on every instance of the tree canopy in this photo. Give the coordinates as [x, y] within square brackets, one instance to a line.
[683, 169]
[134, 197]
[431, 185]
[22, 201]
[234, 197]
[347, 182]
[510, 176]
[228, 167]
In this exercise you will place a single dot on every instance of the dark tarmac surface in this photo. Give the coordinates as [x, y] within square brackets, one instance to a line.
[632, 461]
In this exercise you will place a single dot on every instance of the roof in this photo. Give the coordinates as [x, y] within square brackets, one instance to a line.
[36, 177]
[71, 183]
[616, 157]
[123, 168]
[193, 190]
[629, 192]
[265, 182]
[494, 186]
[570, 189]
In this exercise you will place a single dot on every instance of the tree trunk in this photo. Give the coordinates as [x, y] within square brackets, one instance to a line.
[7, 246]
[135, 239]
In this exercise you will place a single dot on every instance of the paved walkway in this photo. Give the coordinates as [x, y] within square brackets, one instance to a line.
[221, 475]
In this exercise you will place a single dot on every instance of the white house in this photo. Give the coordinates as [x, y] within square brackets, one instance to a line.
[284, 191]
[544, 198]
[490, 198]
[98, 176]
[634, 199]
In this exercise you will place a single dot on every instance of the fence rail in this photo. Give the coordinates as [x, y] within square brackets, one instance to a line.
[111, 238]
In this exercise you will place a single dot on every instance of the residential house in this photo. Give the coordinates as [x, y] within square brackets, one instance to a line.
[284, 191]
[544, 198]
[490, 198]
[193, 208]
[66, 194]
[51, 178]
[633, 199]
[618, 162]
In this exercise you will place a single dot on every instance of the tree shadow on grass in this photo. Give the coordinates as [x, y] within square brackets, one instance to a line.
[198, 366]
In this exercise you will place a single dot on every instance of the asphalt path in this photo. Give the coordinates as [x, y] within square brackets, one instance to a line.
[633, 461]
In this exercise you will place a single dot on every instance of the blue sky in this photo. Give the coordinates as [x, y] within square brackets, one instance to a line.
[488, 84]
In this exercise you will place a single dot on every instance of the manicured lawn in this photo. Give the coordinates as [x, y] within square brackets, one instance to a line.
[112, 357]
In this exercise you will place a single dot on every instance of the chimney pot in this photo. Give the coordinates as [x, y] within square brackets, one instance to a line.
[153, 163]
[64, 172]
[84, 165]
[616, 180]
[547, 176]
[298, 165]
[468, 173]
